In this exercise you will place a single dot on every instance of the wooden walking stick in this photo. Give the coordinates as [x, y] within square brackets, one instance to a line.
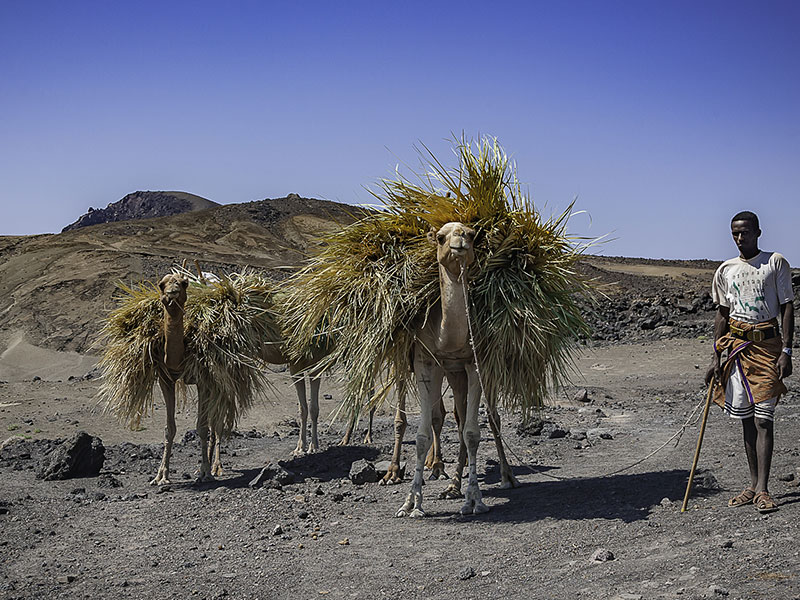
[699, 443]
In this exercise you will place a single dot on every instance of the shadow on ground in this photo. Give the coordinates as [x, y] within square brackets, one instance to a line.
[627, 497]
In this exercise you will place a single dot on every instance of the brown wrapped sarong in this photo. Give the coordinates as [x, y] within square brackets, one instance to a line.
[755, 360]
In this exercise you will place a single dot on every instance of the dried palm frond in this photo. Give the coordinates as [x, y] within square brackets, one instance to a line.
[374, 281]
[226, 324]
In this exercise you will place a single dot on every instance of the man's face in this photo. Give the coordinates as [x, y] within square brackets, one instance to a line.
[745, 236]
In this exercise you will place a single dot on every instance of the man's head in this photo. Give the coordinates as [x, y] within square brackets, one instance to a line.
[745, 232]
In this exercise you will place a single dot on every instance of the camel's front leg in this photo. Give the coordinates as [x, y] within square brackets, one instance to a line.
[507, 479]
[300, 388]
[434, 460]
[314, 411]
[168, 391]
[400, 423]
[472, 436]
[429, 379]
[458, 383]
[204, 474]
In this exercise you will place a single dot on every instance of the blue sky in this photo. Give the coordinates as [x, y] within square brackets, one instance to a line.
[663, 118]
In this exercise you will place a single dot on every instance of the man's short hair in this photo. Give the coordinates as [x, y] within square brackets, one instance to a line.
[746, 215]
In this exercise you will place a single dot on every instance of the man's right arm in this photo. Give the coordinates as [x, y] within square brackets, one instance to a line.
[720, 329]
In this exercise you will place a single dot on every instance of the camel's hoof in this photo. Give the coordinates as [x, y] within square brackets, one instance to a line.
[367, 439]
[438, 474]
[511, 482]
[473, 507]
[417, 513]
[391, 478]
[299, 452]
[403, 512]
[160, 481]
[451, 493]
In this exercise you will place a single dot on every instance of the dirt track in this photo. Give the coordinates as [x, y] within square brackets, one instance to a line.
[323, 536]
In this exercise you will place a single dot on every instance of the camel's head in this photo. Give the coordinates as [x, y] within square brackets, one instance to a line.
[454, 246]
[173, 291]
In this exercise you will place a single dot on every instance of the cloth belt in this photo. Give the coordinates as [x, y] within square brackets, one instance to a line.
[753, 335]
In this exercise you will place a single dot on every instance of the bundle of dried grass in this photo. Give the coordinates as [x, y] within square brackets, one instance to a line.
[374, 279]
[226, 325]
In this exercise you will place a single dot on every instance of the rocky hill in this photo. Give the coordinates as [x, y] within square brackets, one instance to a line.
[143, 205]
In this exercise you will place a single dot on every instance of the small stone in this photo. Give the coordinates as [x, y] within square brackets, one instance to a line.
[485, 573]
[303, 514]
[602, 555]
[66, 578]
[277, 530]
[581, 396]
[786, 477]
[337, 497]
[627, 596]
[344, 542]
[667, 503]
[466, 573]
[727, 544]
[716, 590]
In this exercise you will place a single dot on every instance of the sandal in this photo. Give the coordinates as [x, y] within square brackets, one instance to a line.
[764, 503]
[746, 497]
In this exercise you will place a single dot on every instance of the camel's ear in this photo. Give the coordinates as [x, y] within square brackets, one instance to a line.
[184, 283]
[432, 236]
[162, 283]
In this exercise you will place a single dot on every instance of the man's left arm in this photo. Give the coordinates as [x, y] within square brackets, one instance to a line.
[787, 332]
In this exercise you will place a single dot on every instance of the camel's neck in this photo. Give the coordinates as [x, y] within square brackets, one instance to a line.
[454, 327]
[173, 340]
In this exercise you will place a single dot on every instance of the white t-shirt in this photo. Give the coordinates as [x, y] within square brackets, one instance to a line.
[753, 289]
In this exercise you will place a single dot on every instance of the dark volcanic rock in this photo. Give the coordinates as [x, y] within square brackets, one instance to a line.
[272, 475]
[363, 471]
[80, 456]
[142, 205]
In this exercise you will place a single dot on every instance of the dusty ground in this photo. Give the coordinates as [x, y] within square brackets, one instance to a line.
[86, 538]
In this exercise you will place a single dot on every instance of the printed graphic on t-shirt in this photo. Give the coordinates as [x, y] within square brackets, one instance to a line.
[749, 295]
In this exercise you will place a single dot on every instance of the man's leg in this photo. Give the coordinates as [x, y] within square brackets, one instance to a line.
[751, 449]
[764, 445]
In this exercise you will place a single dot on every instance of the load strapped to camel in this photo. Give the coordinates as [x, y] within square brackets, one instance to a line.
[226, 324]
[377, 279]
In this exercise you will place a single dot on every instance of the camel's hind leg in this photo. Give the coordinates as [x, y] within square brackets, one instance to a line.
[300, 388]
[314, 411]
[434, 460]
[507, 479]
[215, 441]
[168, 391]
[400, 423]
[368, 434]
[204, 474]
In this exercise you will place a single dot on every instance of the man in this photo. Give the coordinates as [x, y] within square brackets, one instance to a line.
[753, 291]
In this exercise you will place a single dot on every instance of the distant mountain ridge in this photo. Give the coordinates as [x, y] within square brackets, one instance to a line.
[143, 205]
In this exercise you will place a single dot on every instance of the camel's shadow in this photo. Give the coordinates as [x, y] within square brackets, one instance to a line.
[330, 464]
[627, 497]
